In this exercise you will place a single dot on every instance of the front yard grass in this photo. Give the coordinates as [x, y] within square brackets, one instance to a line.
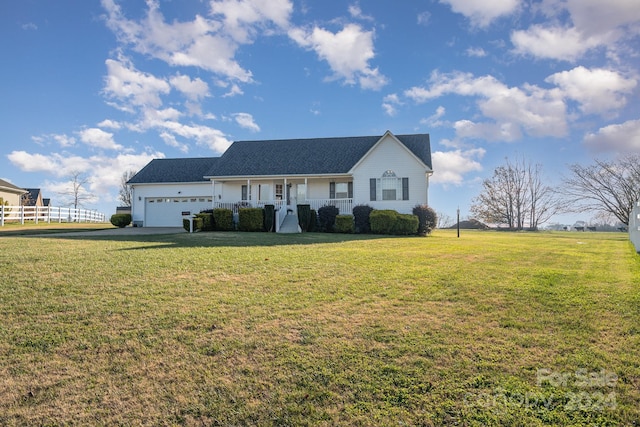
[320, 329]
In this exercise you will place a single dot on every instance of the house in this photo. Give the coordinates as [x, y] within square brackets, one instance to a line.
[384, 172]
[10, 193]
[33, 197]
[634, 226]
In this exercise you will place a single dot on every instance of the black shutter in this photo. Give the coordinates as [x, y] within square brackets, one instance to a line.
[244, 193]
[350, 190]
[332, 190]
[405, 188]
[372, 189]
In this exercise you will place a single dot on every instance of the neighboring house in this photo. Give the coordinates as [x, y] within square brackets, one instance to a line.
[384, 172]
[634, 226]
[11, 193]
[34, 198]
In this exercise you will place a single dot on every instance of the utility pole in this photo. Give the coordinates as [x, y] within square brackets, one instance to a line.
[458, 212]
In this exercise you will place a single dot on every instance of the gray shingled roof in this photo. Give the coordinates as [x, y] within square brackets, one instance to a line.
[174, 170]
[306, 156]
[10, 187]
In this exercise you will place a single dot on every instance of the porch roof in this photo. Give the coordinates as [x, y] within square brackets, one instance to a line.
[314, 156]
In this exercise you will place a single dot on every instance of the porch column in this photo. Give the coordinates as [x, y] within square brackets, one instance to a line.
[286, 193]
[306, 190]
[213, 193]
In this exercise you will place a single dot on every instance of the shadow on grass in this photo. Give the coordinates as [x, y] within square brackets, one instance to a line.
[224, 239]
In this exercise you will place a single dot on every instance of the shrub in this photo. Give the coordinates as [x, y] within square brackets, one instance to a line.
[269, 218]
[344, 223]
[313, 220]
[120, 220]
[427, 219]
[327, 218]
[186, 224]
[223, 219]
[361, 218]
[304, 216]
[207, 220]
[405, 224]
[250, 219]
[382, 221]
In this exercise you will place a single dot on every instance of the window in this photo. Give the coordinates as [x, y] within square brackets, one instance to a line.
[389, 187]
[340, 190]
[246, 192]
[278, 191]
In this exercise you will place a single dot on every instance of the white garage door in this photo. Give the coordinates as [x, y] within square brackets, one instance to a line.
[167, 212]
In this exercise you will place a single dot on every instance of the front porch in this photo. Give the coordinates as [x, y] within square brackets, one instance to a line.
[345, 206]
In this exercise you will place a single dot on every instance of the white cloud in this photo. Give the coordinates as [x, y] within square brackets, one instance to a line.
[246, 121]
[242, 17]
[356, 12]
[513, 110]
[102, 172]
[98, 138]
[553, 42]
[347, 52]
[389, 104]
[194, 90]
[110, 124]
[131, 87]
[591, 24]
[596, 90]
[171, 141]
[210, 44]
[424, 18]
[64, 140]
[450, 166]
[595, 17]
[624, 137]
[434, 119]
[476, 52]
[482, 13]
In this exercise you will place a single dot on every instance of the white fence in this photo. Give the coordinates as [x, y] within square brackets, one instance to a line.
[47, 214]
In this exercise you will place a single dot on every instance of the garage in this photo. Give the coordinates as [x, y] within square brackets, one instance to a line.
[167, 212]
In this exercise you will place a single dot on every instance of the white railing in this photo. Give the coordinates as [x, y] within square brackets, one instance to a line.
[234, 206]
[48, 214]
[345, 206]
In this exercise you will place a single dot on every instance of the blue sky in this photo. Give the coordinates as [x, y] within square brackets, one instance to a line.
[104, 87]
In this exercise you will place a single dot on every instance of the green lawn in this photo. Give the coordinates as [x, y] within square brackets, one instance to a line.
[320, 329]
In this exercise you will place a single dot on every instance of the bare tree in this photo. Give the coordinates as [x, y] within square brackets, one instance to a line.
[126, 192]
[605, 186]
[77, 194]
[516, 195]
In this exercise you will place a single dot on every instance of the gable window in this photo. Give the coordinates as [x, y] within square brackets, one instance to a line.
[389, 187]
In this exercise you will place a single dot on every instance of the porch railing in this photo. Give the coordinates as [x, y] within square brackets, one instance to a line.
[234, 206]
[345, 206]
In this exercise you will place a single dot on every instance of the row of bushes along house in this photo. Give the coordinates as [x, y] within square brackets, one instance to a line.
[327, 219]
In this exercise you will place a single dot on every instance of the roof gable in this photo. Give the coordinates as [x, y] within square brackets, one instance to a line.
[315, 156]
[174, 170]
[10, 188]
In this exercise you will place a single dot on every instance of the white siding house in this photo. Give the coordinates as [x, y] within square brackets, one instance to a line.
[384, 172]
[634, 226]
